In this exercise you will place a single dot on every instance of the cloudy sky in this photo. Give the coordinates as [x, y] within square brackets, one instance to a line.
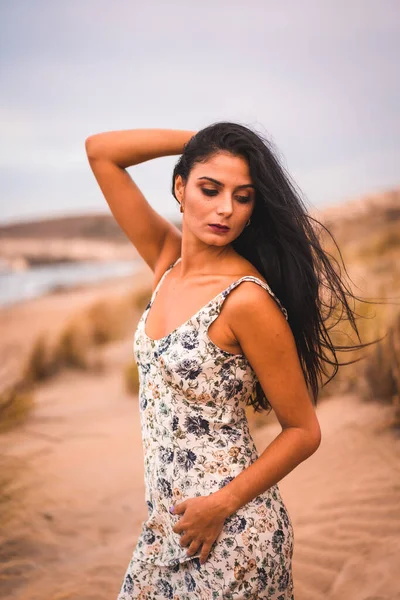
[318, 77]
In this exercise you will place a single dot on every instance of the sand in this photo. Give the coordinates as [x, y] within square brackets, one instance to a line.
[82, 498]
[22, 323]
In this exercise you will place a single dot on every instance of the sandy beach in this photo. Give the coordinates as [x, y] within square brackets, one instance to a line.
[77, 468]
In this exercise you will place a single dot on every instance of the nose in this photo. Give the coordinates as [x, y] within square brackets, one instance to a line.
[225, 204]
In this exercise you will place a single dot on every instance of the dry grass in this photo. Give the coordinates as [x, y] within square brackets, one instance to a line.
[16, 403]
[76, 347]
[388, 242]
[38, 364]
[131, 377]
[382, 370]
[104, 322]
[372, 322]
[141, 298]
[69, 351]
[370, 246]
[16, 546]
[108, 320]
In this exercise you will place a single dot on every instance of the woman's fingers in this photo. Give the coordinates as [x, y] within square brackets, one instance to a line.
[205, 552]
[194, 546]
[185, 539]
[178, 528]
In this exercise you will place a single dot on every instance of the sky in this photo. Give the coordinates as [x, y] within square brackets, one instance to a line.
[318, 78]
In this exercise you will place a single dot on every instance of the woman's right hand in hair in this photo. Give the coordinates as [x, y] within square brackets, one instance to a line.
[156, 239]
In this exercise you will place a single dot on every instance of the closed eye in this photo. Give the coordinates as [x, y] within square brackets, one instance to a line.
[242, 199]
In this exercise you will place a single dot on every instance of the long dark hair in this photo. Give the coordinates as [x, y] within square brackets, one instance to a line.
[283, 243]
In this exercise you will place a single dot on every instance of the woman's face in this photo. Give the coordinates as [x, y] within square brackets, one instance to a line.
[217, 192]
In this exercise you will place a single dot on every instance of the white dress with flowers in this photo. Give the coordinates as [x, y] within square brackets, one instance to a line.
[196, 439]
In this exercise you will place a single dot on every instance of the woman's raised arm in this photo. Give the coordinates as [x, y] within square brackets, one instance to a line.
[156, 239]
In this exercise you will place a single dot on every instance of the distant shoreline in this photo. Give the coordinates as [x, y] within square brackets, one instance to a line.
[20, 285]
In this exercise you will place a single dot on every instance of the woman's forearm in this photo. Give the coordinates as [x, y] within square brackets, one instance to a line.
[284, 453]
[133, 146]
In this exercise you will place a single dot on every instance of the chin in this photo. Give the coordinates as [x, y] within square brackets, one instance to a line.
[223, 241]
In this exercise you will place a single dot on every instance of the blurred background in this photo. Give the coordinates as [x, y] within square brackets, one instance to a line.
[319, 80]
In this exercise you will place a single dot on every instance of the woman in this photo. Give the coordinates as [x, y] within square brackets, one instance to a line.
[236, 318]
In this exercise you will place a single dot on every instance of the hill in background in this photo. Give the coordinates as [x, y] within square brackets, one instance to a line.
[93, 227]
[367, 230]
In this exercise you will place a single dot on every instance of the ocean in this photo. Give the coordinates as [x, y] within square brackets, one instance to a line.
[16, 286]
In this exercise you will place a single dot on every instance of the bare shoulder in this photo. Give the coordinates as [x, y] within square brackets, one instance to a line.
[244, 267]
[250, 297]
[248, 291]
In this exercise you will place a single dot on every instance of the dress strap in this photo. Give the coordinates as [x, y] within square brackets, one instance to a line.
[264, 285]
[161, 280]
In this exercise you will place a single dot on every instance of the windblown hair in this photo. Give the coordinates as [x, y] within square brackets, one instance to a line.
[283, 243]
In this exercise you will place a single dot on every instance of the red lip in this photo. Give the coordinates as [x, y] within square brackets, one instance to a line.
[220, 226]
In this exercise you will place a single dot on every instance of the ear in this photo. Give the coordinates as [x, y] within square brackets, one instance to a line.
[179, 187]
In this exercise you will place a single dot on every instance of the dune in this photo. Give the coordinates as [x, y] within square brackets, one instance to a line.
[83, 502]
[21, 324]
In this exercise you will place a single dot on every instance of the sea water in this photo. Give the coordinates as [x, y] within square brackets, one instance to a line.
[16, 286]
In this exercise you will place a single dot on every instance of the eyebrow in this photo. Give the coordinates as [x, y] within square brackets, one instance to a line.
[238, 187]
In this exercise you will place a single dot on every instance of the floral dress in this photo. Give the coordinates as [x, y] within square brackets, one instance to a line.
[196, 439]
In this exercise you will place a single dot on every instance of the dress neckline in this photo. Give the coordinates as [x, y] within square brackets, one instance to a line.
[196, 314]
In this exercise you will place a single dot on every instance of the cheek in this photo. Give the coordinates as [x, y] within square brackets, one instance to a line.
[245, 213]
[250, 209]
[198, 208]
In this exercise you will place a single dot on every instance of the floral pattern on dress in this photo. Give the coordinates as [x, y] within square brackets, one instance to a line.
[196, 439]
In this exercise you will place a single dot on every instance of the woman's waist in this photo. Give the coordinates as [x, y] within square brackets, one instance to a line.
[192, 474]
[172, 486]
[181, 457]
[264, 517]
